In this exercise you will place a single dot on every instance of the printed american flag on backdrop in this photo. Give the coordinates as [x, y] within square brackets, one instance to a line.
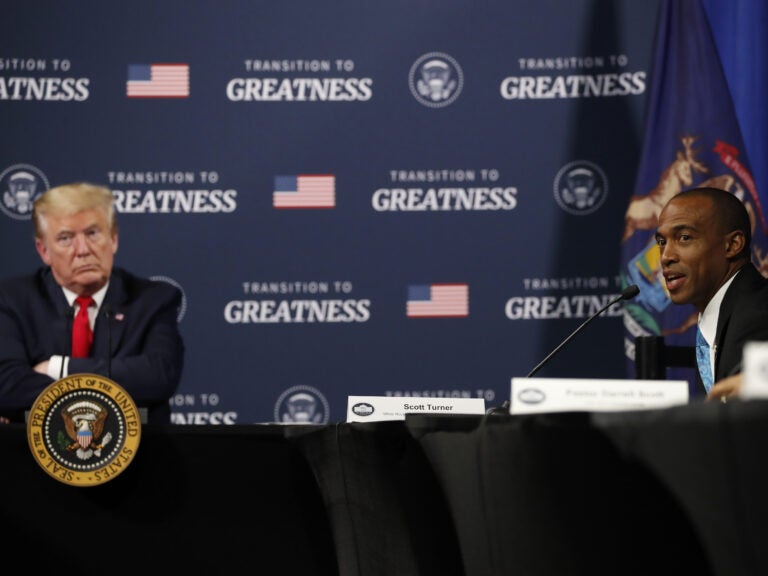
[305, 191]
[158, 81]
[437, 301]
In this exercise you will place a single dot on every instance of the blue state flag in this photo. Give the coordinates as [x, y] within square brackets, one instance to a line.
[692, 139]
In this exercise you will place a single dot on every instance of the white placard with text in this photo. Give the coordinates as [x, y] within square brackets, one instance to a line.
[755, 371]
[532, 395]
[380, 408]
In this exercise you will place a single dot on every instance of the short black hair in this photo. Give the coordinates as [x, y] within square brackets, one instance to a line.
[732, 213]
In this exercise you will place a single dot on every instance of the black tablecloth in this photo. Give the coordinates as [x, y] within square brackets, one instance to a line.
[195, 500]
[711, 459]
[674, 491]
[387, 509]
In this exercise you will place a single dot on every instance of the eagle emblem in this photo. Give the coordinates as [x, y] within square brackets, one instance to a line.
[84, 424]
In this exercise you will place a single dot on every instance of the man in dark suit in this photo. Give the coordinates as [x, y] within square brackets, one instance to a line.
[135, 336]
[704, 237]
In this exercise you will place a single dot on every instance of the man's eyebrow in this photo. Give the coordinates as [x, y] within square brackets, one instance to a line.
[676, 230]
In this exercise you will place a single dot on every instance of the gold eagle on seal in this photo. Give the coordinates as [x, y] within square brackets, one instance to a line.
[84, 424]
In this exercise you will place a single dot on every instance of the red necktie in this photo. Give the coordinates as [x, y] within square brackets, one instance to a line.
[81, 329]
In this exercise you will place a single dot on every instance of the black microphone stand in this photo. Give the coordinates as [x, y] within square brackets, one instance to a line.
[626, 294]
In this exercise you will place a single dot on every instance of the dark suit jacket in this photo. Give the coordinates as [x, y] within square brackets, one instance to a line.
[743, 317]
[141, 349]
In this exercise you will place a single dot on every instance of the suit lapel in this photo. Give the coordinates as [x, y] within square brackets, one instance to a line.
[110, 325]
[741, 284]
[62, 320]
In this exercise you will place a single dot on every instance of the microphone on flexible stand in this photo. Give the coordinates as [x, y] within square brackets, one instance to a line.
[69, 315]
[627, 294]
[108, 318]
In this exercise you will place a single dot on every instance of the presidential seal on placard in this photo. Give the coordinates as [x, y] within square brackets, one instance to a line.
[84, 430]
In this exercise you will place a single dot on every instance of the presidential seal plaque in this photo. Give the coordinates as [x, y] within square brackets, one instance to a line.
[84, 430]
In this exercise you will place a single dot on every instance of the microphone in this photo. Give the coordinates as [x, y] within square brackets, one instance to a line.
[108, 318]
[69, 314]
[627, 294]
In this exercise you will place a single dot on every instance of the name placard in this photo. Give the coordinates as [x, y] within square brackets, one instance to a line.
[534, 395]
[380, 408]
[754, 382]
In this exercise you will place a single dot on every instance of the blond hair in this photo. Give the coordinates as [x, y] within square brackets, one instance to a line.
[69, 199]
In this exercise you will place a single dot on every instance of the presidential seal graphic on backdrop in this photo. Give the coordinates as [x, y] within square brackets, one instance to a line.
[183, 306]
[436, 79]
[84, 430]
[580, 187]
[302, 405]
[20, 186]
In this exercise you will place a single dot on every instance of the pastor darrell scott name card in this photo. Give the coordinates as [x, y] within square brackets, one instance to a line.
[531, 395]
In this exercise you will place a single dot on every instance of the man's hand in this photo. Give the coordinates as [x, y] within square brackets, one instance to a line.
[725, 388]
[42, 368]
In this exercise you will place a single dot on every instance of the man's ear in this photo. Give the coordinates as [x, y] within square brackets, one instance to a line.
[42, 250]
[734, 243]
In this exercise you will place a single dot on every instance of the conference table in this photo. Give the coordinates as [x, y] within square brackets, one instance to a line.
[669, 491]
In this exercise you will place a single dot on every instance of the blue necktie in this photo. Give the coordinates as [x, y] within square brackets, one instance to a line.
[702, 358]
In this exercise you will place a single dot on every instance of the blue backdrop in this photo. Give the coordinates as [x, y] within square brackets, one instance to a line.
[492, 146]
